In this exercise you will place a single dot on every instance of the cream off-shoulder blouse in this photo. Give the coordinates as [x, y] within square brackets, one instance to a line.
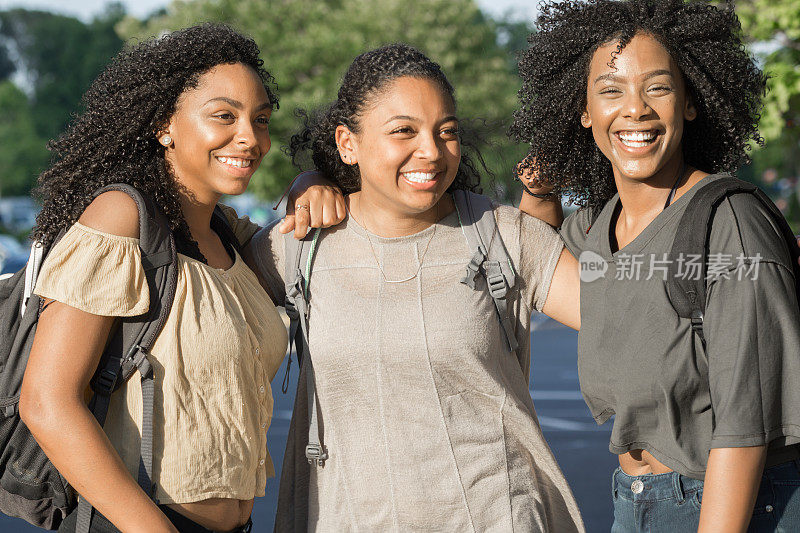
[221, 345]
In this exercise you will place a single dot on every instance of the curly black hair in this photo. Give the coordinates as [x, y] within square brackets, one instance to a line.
[704, 40]
[366, 76]
[113, 139]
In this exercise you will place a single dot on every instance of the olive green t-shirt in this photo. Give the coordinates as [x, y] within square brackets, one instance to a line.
[641, 363]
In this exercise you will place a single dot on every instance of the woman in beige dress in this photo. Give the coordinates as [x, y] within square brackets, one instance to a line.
[183, 118]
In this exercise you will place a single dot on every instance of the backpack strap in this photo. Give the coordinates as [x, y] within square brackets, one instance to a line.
[688, 294]
[299, 257]
[129, 349]
[490, 257]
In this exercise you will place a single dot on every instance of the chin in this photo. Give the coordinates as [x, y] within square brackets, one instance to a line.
[234, 188]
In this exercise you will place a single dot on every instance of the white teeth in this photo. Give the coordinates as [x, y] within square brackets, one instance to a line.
[637, 139]
[419, 177]
[235, 162]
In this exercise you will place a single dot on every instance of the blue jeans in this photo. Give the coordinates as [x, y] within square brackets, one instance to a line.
[670, 503]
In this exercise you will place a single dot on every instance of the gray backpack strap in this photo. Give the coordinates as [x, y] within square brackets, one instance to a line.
[128, 350]
[490, 257]
[688, 294]
[299, 256]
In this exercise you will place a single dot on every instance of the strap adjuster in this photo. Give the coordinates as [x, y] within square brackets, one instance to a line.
[697, 320]
[498, 287]
[316, 454]
[290, 308]
[104, 382]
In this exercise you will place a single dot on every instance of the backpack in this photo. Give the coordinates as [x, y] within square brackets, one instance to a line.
[688, 295]
[30, 486]
[490, 260]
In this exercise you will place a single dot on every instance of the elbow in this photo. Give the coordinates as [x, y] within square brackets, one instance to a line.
[37, 410]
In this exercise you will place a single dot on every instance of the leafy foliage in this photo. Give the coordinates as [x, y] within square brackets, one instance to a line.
[777, 24]
[22, 151]
[58, 57]
[308, 45]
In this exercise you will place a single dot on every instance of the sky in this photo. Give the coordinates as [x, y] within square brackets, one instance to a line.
[86, 9]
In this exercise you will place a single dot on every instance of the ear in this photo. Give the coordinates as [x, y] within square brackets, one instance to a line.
[164, 137]
[586, 120]
[689, 110]
[347, 145]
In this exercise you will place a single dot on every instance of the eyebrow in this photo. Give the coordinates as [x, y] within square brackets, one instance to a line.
[652, 74]
[415, 119]
[237, 104]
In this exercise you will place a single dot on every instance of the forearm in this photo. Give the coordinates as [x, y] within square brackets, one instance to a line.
[731, 484]
[547, 209]
[77, 446]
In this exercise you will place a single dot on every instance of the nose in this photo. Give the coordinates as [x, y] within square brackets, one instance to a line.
[429, 147]
[246, 135]
[635, 106]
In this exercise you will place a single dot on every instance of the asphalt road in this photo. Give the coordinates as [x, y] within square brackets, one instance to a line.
[580, 446]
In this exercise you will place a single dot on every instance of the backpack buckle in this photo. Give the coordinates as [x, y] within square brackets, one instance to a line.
[290, 308]
[498, 287]
[104, 382]
[473, 267]
[316, 454]
[697, 320]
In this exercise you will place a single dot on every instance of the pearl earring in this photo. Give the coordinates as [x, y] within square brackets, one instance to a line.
[166, 140]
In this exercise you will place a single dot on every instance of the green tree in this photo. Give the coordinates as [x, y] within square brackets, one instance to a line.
[22, 151]
[60, 56]
[7, 67]
[774, 26]
[307, 45]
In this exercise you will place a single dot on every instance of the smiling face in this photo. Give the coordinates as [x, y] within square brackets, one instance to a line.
[219, 132]
[407, 147]
[636, 108]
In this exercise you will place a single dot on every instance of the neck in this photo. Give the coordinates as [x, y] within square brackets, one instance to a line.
[386, 221]
[640, 199]
[197, 214]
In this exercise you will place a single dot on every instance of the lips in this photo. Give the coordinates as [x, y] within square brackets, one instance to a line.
[637, 138]
[419, 176]
[237, 162]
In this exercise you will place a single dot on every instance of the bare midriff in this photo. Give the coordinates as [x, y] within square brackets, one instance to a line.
[218, 514]
[640, 462]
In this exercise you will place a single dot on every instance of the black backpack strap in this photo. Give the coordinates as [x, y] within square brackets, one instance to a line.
[490, 257]
[223, 228]
[299, 257]
[129, 348]
[688, 294]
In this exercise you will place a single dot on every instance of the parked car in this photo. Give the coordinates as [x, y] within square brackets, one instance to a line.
[18, 213]
[13, 255]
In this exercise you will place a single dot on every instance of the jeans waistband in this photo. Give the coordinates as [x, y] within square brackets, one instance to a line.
[652, 487]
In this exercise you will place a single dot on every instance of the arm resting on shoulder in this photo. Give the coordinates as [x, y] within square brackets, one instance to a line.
[323, 200]
[731, 484]
[546, 209]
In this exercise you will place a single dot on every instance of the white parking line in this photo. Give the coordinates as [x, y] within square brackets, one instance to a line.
[539, 394]
[561, 424]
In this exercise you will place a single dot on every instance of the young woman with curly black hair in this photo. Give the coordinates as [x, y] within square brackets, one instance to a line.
[630, 107]
[427, 418]
[183, 118]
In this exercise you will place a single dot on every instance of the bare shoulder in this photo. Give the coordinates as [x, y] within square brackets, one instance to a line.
[113, 212]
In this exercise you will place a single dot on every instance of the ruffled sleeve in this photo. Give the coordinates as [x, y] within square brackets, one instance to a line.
[95, 272]
[243, 227]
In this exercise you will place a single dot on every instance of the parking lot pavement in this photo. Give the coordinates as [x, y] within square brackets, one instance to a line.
[580, 446]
